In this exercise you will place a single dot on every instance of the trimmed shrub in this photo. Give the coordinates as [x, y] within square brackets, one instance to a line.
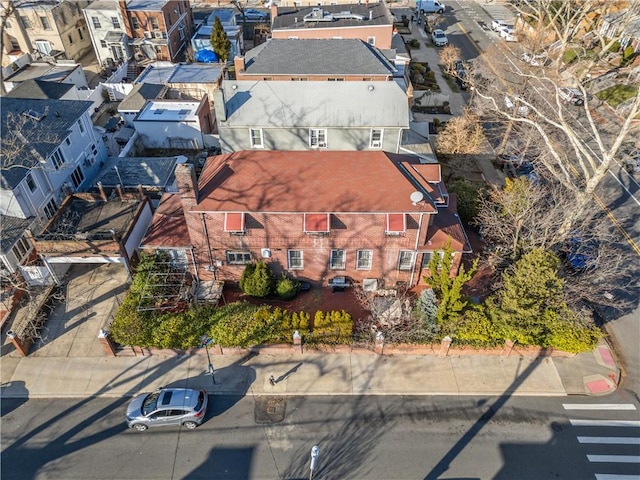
[257, 280]
[287, 287]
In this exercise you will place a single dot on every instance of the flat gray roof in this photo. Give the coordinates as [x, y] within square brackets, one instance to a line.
[317, 56]
[149, 172]
[288, 104]
[292, 18]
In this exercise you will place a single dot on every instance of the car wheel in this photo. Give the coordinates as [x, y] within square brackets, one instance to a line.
[139, 427]
[190, 425]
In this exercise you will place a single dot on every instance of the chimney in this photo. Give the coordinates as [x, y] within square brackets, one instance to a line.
[186, 181]
[103, 194]
[274, 11]
[238, 63]
[370, 14]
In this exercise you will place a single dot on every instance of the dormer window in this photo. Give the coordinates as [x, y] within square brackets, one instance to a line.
[316, 223]
[234, 223]
[396, 224]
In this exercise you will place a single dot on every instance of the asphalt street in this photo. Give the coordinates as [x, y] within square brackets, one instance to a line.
[371, 437]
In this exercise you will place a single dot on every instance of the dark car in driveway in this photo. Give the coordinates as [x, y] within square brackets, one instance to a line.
[167, 407]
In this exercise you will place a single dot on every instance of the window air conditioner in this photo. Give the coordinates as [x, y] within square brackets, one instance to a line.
[158, 34]
[377, 144]
[147, 34]
[322, 144]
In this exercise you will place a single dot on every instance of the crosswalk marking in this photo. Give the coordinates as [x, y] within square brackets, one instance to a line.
[605, 423]
[599, 406]
[610, 440]
[613, 476]
[614, 458]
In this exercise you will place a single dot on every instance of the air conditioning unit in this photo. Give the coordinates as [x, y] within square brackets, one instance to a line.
[147, 34]
[377, 144]
[266, 252]
[158, 34]
[322, 144]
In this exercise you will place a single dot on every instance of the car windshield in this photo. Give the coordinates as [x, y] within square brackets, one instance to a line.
[150, 403]
[439, 34]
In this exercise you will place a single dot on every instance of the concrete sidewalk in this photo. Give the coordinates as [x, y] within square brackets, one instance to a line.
[592, 373]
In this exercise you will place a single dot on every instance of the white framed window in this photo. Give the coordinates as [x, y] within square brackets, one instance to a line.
[77, 177]
[135, 24]
[371, 40]
[26, 23]
[50, 208]
[405, 260]
[70, 37]
[94, 149]
[338, 259]
[364, 259]
[57, 158]
[180, 30]
[68, 141]
[376, 138]
[295, 259]
[103, 44]
[96, 23]
[154, 23]
[45, 23]
[80, 126]
[43, 46]
[31, 183]
[255, 135]
[238, 258]
[115, 22]
[318, 138]
[20, 249]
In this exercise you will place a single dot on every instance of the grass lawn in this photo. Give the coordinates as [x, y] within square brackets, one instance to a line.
[617, 94]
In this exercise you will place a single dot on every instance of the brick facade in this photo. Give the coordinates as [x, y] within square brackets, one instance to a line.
[280, 231]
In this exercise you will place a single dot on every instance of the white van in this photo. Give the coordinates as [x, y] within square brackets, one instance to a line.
[430, 6]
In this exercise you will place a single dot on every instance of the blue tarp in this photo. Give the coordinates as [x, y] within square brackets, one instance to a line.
[206, 56]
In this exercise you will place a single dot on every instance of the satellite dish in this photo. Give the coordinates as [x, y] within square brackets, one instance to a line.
[416, 197]
[181, 159]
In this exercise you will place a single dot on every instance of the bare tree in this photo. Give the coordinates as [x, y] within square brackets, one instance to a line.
[577, 153]
[462, 135]
[20, 134]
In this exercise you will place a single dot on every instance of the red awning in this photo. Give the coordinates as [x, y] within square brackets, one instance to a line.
[234, 222]
[396, 222]
[316, 222]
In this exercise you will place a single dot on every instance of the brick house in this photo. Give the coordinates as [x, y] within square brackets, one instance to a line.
[157, 29]
[313, 214]
[371, 23]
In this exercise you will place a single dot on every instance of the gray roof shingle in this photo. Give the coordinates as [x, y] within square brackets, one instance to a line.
[317, 57]
[13, 229]
[55, 127]
[40, 89]
[138, 96]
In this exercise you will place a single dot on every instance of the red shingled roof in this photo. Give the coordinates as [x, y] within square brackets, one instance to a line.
[311, 182]
[168, 227]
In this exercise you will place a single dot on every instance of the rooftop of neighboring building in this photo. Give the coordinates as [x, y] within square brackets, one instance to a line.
[131, 172]
[317, 57]
[167, 72]
[169, 111]
[315, 104]
[42, 71]
[138, 96]
[102, 5]
[146, 5]
[43, 124]
[375, 14]
[40, 89]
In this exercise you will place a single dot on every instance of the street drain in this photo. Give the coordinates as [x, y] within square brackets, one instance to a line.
[269, 409]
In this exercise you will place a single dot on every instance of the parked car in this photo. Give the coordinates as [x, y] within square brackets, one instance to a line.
[535, 60]
[571, 96]
[253, 14]
[430, 6]
[461, 74]
[497, 25]
[167, 407]
[439, 38]
[508, 33]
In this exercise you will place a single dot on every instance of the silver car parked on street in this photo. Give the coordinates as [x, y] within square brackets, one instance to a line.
[167, 406]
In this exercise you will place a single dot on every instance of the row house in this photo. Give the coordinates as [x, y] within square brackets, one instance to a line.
[49, 149]
[157, 29]
[369, 22]
[46, 28]
[311, 115]
[108, 33]
[315, 215]
[202, 38]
